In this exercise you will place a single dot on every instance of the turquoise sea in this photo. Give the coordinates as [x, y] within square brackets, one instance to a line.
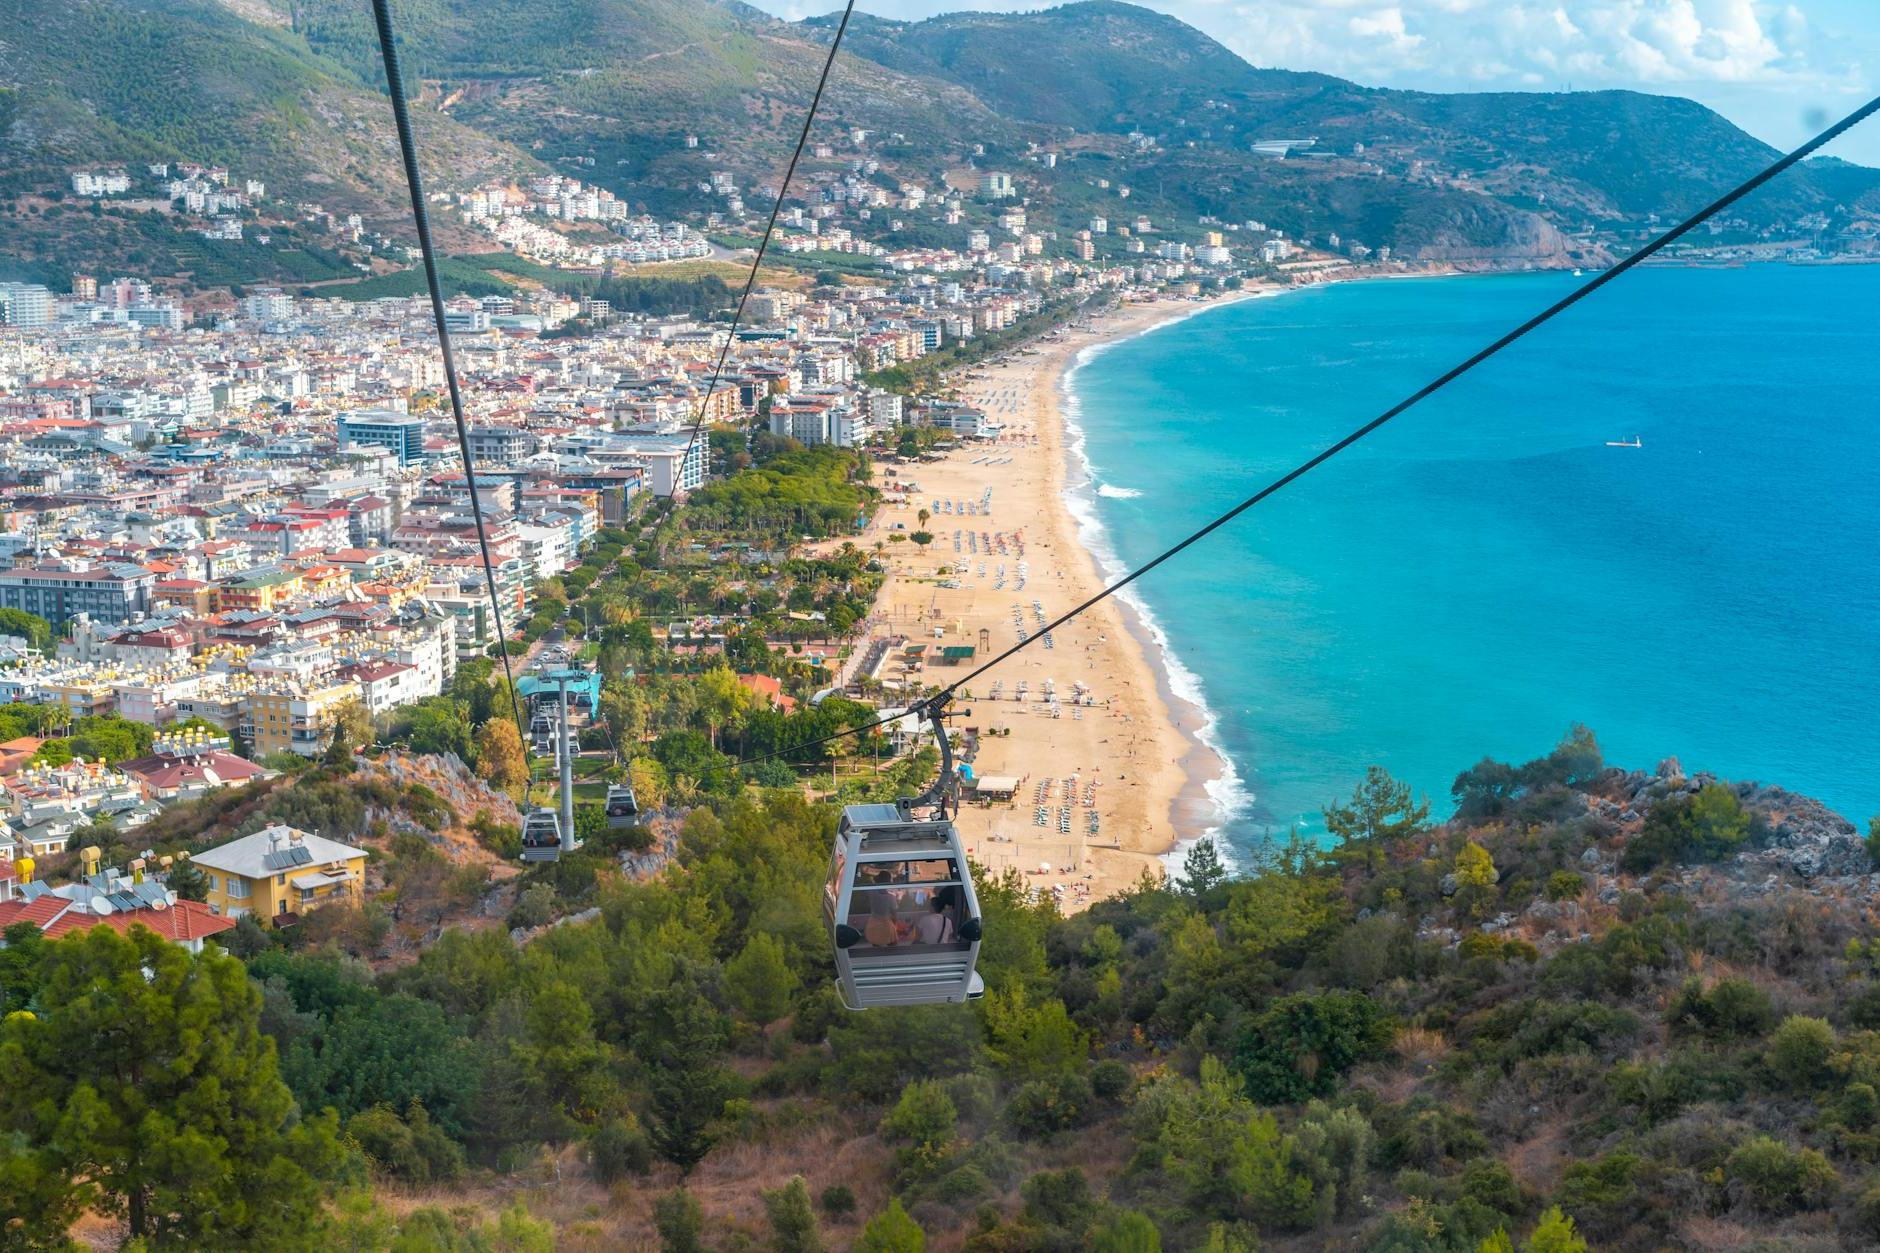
[1486, 571]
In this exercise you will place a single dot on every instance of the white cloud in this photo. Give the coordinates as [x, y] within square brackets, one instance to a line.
[1460, 43]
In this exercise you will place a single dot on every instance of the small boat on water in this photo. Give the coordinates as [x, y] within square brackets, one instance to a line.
[1634, 442]
[1579, 273]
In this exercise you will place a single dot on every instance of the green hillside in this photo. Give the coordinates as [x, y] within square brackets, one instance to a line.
[132, 80]
[288, 91]
[621, 82]
[1105, 65]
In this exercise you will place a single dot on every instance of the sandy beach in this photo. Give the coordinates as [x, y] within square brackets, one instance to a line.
[1110, 772]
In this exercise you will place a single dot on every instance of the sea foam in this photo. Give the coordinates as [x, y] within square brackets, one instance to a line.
[1230, 797]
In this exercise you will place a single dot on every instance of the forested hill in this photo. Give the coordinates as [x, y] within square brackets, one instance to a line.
[1597, 1008]
[288, 92]
[1103, 65]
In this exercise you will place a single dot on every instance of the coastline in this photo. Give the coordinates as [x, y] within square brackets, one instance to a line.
[1021, 560]
[1211, 791]
[1149, 738]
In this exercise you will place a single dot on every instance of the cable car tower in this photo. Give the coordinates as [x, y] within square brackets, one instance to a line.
[903, 919]
[546, 833]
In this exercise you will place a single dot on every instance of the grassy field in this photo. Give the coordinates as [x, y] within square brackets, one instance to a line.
[481, 274]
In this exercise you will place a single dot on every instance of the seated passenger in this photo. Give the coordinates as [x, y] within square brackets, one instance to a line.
[880, 929]
[935, 927]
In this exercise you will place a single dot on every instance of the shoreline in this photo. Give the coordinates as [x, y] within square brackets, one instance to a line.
[1151, 775]
[1211, 790]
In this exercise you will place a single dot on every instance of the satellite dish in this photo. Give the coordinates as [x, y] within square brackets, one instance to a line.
[101, 906]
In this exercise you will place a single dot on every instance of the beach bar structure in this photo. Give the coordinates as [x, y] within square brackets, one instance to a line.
[995, 787]
[954, 654]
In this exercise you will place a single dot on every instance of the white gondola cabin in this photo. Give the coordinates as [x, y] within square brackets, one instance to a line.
[541, 835]
[622, 807]
[901, 911]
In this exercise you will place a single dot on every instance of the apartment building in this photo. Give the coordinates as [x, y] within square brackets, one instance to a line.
[293, 719]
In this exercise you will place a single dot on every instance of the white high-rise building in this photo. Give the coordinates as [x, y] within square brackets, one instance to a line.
[25, 304]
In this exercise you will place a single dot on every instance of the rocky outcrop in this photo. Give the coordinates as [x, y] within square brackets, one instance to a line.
[459, 788]
[1805, 836]
[1483, 231]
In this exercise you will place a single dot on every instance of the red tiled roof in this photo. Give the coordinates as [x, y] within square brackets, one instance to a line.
[165, 771]
[39, 912]
[181, 922]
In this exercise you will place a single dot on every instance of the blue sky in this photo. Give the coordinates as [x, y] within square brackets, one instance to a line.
[1778, 68]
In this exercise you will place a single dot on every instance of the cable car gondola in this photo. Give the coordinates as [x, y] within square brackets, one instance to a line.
[541, 835]
[622, 806]
[899, 902]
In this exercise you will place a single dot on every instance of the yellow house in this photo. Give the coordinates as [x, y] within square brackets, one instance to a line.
[281, 871]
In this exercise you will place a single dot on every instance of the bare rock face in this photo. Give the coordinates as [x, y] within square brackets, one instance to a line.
[1806, 837]
[1479, 229]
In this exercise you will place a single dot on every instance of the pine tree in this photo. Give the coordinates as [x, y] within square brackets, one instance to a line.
[1475, 868]
[188, 882]
[144, 1080]
[677, 1218]
[1555, 1234]
[891, 1231]
[1128, 1232]
[1202, 869]
[687, 1086]
[792, 1218]
[759, 980]
[1381, 812]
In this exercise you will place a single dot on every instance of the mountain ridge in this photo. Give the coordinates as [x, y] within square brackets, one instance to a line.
[290, 91]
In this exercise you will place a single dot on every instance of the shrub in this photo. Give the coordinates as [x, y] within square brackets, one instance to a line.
[1058, 1198]
[1044, 1107]
[1799, 1050]
[1867, 1210]
[837, 1200]
[1110, 1079]
[1490, 1183]
[1565, 885]
[679, 1221]
[1731, 1007]
[620, 1148]
[1779, 1180]
[1531, 1028]
[411, 1148]
[535, 907]
[974, 1096]
[1706, 827]
[1431, 1137]
[961, 1186]
[1301, 1044]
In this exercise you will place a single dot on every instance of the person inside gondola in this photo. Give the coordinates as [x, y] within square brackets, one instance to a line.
[881, 929]
[934, 926]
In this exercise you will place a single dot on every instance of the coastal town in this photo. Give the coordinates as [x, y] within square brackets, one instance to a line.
[242, 529]
[714, 627]
[240, 521]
